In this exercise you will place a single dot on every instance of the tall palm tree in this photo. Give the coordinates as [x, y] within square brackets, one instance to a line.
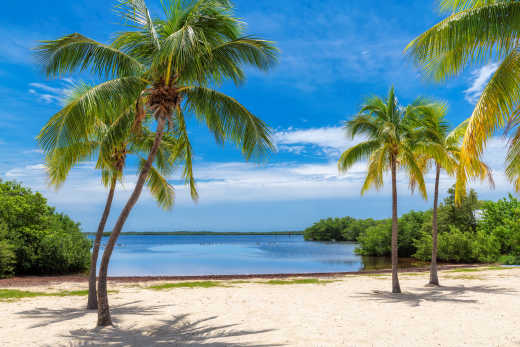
[477, 32]
[442, 151]
[165, 67]
[61, 160]
[390, 138]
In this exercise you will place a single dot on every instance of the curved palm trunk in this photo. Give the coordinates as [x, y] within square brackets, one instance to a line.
[434, 279]
[92, 303]
[396, 288]
[104, 318]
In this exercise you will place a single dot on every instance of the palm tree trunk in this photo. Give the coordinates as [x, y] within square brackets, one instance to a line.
[92, 303]
[104, 318]
[434, 279]
[396, 288]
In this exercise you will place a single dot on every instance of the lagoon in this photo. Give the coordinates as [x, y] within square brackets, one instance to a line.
[197, 255]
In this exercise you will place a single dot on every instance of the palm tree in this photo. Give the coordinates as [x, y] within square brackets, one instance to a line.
[61, 160]
[165, 67]
[442, 151]
[477, 32]
[389, 141]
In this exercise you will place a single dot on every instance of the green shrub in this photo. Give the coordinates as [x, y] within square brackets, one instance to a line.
[460, 247]
[376, 241]
[39, 240]
[502, 219]
[7, 259]
[338, 229]
[509, 260]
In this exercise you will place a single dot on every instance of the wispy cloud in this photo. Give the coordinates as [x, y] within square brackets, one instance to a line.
[328, 140]
[51, 94]
[480, 79]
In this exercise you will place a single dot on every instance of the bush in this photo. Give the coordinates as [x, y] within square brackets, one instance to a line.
[7, 259]
[376, 241]
[509, 260]
[502, 219]
[41, 240]
[337, 229]
[460, 247]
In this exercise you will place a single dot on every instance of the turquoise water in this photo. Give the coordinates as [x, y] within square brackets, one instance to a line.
[228, 255]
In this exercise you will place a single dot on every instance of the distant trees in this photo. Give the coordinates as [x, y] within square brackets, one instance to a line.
[34, 238]
[472, 231]
[338, 229]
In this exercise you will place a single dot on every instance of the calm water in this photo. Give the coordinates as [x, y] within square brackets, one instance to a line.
[226, 255]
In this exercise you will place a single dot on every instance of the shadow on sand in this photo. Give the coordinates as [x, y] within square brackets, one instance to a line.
[51, 316]
[435, 294]
[178, 331]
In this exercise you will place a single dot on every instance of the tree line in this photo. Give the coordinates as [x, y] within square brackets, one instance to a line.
[469, 232]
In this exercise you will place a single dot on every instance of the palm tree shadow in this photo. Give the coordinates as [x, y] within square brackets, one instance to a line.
[435, 294]
[178, 331]
[52, 316]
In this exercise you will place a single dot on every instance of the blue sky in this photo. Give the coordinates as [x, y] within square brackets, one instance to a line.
[334, 53]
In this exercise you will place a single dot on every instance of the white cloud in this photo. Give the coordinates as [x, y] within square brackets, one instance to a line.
[49, 94]
[329, 140]
[480, 79]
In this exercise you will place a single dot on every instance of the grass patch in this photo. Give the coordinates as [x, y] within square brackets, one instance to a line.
[412, 274]
[201, 284]
[466, 277]
[477, 269]
[297, 281]
[240, 282]
[374, 275]
[14, 294]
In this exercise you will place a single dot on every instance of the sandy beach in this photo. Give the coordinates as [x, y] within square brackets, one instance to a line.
[473, 308]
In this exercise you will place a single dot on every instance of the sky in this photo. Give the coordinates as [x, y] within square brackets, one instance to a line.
[333, 54]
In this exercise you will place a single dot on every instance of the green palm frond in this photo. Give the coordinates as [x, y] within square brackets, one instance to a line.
[136, 12]
[472, 36]
[498, 100]
[225, 60]
[229, 121]
[60, 161]
[184, 151]
[77, 53]
[461, 5]
[159, 187]
[357, 153]
[377, 165]
[75, 121]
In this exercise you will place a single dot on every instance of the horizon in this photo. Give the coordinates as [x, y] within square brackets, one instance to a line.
[331, 59]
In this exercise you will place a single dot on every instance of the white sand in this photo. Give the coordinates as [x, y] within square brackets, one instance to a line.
[472, 309]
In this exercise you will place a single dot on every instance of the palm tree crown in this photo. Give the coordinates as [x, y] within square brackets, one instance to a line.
[390, 134]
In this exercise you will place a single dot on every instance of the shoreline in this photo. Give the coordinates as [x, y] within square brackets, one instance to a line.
[27, 281]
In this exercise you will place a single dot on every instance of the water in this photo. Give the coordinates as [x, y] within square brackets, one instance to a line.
[172, 255]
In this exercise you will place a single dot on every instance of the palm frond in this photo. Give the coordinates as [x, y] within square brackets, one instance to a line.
[77, 119]
[498, 100]
[159, 187]
[357, 153]
[229, 121]
[473, 36]
[136, 12]
[77, 53]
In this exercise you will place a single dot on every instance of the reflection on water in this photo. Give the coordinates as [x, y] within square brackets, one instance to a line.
[226, 255]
